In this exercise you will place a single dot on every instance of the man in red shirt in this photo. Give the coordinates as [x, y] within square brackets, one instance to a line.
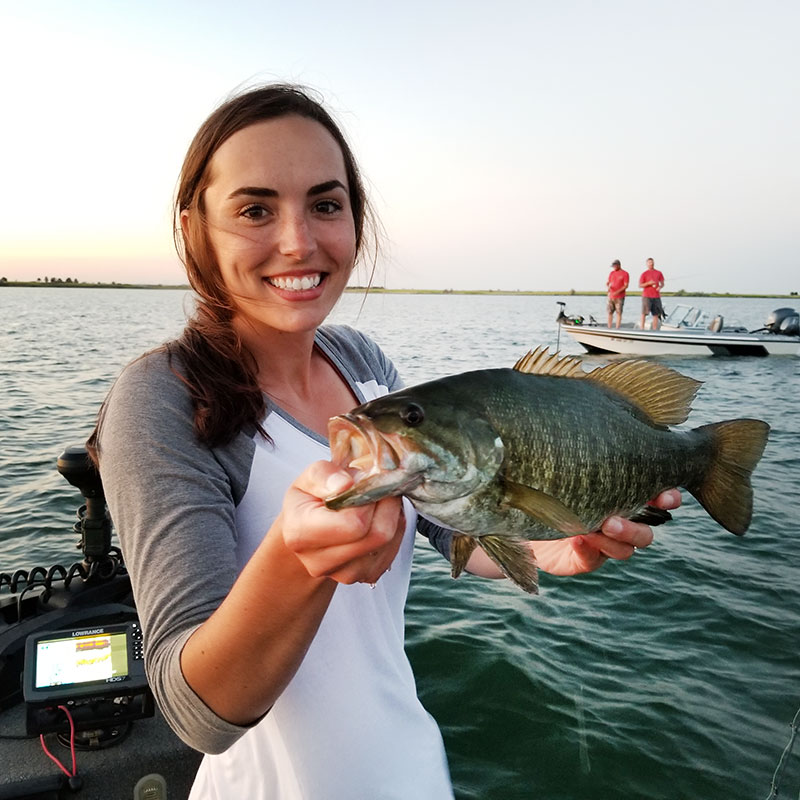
[616, 284]
[651, 283]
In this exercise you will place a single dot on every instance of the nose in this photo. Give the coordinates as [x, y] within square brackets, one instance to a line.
[296, 239]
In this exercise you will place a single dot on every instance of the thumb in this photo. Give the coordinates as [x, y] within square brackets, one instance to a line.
[323, 479]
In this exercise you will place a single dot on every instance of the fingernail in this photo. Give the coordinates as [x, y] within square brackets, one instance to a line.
[613, 525]
[337, 482]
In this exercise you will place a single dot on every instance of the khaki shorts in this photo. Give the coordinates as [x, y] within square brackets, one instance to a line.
[615, 304]
[652, 305]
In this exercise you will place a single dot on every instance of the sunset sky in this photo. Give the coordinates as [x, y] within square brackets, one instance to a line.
[507, 145]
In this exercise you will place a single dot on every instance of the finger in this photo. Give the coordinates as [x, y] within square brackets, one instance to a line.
[667, 500]
[359, 554]
[322, 479]
[636, 534]
[610, 548]
[371, 568]
[367, 568]
[387, 519]
[585, 548]
[308, 525]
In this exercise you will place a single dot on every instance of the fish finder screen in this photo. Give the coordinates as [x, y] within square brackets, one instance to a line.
[81, 659]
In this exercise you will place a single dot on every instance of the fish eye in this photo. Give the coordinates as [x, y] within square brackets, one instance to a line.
[412, 415]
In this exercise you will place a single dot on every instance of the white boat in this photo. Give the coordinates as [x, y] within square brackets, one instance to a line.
[690, 331]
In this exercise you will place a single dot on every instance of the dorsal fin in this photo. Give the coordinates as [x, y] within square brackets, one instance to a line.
[662, 393]
[540, 362]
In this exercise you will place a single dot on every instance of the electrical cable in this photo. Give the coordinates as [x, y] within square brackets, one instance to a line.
[53, 758]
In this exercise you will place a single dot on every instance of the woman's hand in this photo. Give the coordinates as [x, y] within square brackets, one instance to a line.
[352, 545]
[618, 538]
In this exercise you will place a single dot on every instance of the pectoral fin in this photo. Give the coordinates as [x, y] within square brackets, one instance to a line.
[461, 548]
[515, 560]
[544, 508]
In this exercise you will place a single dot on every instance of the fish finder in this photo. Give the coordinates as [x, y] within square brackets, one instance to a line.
[97, 673]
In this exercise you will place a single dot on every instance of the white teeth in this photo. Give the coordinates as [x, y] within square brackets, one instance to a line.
[296, 284]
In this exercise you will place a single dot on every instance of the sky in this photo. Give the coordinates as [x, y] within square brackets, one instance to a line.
[506, 145]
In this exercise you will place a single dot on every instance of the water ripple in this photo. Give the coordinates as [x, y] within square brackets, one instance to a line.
[672, 675]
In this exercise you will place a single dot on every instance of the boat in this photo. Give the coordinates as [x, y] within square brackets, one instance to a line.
[114, 743]
[688, 330]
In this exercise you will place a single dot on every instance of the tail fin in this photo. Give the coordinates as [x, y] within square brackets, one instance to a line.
[725, 491]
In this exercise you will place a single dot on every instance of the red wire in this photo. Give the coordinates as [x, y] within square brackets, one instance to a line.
[71, 746]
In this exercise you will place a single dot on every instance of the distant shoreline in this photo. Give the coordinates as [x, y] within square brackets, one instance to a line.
[88, 285]
[381, 290]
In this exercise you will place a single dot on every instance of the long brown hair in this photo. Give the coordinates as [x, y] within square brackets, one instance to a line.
[210, 357]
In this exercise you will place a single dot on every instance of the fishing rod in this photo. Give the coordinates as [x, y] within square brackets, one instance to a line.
[778, 776]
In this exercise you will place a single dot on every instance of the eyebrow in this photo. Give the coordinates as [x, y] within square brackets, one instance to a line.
[263, 191]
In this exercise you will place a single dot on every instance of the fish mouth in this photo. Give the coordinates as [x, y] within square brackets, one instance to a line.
[381, 463]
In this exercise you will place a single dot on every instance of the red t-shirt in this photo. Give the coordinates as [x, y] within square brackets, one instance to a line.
[616, 280]
[651, 275]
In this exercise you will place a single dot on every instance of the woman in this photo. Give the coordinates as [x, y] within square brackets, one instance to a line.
[267, 646]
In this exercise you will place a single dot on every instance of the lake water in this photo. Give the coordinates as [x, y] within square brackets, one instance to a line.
[673, 675]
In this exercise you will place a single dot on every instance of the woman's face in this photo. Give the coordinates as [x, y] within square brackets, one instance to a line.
[280, 222]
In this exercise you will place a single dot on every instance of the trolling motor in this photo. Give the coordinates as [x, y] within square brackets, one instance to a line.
[101, 564]
[94, 523]
[566, 319]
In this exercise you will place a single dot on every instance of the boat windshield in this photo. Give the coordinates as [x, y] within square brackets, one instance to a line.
[686, 317]
[682, 315]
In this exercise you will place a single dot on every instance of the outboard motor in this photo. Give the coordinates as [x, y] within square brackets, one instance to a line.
[785, 321]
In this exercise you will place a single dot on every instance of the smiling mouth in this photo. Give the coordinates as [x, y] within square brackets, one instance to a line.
[296, 284]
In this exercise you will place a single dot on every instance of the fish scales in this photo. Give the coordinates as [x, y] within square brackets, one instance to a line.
[578, 443]
[542, 451]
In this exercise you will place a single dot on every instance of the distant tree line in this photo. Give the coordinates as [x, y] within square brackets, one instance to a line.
[4, 279]
[47, 280]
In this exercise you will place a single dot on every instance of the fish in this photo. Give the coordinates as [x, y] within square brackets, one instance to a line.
[544, 450]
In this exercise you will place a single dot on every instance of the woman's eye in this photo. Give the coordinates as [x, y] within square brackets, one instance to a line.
[254, 211]
[328, 206]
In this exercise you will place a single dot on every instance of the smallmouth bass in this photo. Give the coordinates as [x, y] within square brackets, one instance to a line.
[543, 451]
